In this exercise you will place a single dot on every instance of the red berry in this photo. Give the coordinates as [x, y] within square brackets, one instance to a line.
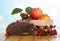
[54, 32]
[40, 32]
[51, 26]
[6, 35]
[26, 16]
[54, 26]
[17, 21]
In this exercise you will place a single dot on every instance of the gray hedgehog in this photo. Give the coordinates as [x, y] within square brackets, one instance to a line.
[20, 28]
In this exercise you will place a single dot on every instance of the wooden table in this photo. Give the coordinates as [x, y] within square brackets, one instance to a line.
[29, 38]
[33, 38]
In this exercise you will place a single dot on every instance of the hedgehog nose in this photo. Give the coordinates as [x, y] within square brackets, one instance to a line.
[35, 28]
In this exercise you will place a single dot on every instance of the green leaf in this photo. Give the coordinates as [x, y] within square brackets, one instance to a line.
[16, 10]
[28, 10]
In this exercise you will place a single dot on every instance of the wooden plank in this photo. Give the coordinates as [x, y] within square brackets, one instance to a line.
[26, 38]
[33, 38]
[40, 38]
[53, 38]
[42, 22]
[13, 38]
[16, 38]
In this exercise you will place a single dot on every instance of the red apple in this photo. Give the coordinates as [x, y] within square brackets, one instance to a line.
[36, 12]
[31, 18]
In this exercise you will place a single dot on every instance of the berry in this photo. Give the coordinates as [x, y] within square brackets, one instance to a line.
[54, 26]
[54, 32]
[51, 26]
[6, 35]
[40, 32]
[17, 21]
[26, 16]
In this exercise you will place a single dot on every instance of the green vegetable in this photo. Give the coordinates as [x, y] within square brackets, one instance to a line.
[16, 10]
[28, 10]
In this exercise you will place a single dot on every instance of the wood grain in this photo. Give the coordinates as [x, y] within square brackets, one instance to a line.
[31, 38]
[42, 22]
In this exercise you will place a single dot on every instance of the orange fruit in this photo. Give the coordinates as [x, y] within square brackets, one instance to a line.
[44, 17]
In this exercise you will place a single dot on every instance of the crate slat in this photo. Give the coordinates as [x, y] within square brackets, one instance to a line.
[32, 38]
[42, 22]
[26, 38]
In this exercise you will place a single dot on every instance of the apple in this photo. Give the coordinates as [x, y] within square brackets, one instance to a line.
[36, 13]
[31, 18]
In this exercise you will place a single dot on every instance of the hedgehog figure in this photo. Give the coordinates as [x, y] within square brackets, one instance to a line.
[21, 28]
